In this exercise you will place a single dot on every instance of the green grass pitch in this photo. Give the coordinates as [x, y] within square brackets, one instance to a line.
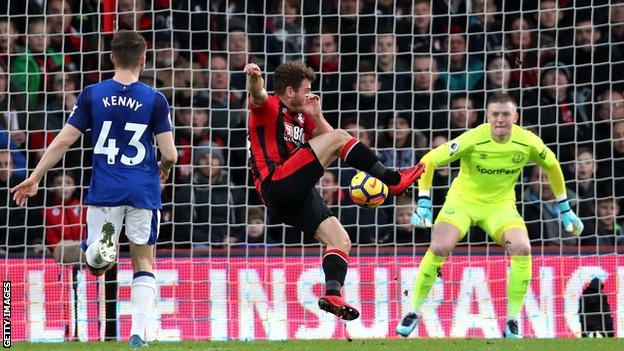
[355, 345]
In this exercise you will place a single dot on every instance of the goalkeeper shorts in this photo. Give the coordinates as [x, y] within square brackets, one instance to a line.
[493, 218]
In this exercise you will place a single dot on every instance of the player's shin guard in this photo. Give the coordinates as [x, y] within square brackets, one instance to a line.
[143, 291]
[358, 156]
[427, 275]
[519, 278]
[335, 269]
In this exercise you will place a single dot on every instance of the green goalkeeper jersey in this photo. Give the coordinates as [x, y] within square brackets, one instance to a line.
[489, 170]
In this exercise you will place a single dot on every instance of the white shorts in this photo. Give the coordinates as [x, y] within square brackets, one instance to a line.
[141, 224]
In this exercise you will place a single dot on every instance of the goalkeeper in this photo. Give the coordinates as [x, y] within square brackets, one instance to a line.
[492, 156]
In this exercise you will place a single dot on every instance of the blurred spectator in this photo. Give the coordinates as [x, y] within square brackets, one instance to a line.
[172, 71]
[522, 52]
[64, 218]
[11, 136]
[356, 25]
[415, 33]
[463, 114]
[256, 234]
[132, 15]
[21, 225]
[60, 101]
[541, 213]
[498, 79]
[390, 65]
[461, 72]
[608, 231]
[398, 140]
[611, 160]
[590, 61]
[204, 210]
[484, 27]
[549, 18]
[324, 59]
[428, 101]
[65, 38]
[585, 168]
[227, 121]
[285, 32]
[8, 41]
[367, 101]
[30, 68]
[558, 121]
[403, 231]
[238, 56]
[609, 107]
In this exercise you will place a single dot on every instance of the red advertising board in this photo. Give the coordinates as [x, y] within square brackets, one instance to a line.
[276, 298]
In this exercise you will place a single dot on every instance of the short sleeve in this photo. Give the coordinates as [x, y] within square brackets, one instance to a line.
[540, 153]
[80, 117]
[161, 115]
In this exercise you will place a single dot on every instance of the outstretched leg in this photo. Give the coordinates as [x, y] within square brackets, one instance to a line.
[335, 262]
[443, 239]
[338, 143]
[516, 242]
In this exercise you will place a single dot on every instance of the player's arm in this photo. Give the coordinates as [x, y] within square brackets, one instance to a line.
[255, 86]
[168, 154]
[443, 154]
[446, 153]
[313, 108]
[546, 159]
[53, 154]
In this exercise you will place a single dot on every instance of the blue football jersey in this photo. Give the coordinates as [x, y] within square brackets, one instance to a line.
[123, 120]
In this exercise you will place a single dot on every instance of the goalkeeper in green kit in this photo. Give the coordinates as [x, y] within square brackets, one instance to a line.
[492, 157]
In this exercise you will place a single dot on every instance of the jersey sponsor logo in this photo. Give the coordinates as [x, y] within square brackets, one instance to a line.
[121, 101]
[294, 134]
[517, 157]
[497, 171]
[453, 147]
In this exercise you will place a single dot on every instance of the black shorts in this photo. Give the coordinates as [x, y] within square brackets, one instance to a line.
[291, 196]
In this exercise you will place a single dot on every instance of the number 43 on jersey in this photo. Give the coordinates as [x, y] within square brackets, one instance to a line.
[112, 150]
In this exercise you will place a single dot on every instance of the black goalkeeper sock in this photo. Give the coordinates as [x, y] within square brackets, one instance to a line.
[335, 269]
[358, 156]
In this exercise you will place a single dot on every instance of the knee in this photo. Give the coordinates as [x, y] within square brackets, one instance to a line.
[343, 243]
[440, 249]
[342, 135]
[519, 249]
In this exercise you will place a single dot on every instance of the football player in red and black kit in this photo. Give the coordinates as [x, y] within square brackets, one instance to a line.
[291, 146]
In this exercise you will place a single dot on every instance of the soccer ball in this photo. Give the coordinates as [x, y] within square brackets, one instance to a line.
[367, 191]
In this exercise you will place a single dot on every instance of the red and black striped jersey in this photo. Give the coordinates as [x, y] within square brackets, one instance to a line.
[275, 131]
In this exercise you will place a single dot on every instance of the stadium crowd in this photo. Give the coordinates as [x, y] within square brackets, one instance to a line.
[402, 76]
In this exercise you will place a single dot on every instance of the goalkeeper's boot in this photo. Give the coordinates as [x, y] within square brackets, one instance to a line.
[407, 325]
[135, 342]
[511, 329]
[338, 306]
[107, 245]
[409, 176]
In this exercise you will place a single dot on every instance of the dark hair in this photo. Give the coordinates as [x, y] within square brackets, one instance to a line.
[291, 74]
[128, 48]
[501, 98]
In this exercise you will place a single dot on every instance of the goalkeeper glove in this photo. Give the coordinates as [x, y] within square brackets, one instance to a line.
[571, 222]
[423, 217]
